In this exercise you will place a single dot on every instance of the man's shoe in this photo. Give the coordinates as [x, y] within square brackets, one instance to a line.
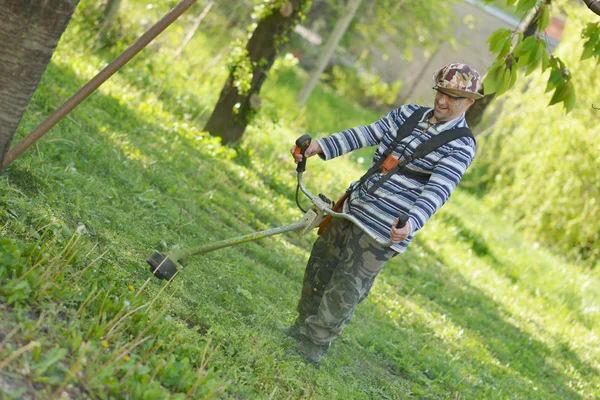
[312, 353]
[292, 331]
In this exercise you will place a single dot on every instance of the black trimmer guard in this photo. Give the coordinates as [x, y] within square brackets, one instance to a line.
[161, 266]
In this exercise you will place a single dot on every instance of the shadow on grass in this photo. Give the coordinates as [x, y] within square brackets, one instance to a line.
[109, 163]
[445, 292]
[505, 266]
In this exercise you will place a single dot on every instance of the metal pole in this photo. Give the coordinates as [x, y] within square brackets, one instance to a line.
[98, 80]
[207, 248]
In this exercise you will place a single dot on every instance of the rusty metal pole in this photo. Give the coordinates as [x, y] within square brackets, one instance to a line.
[96, 81]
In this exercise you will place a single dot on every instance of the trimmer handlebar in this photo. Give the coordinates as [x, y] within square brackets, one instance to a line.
[302, 144]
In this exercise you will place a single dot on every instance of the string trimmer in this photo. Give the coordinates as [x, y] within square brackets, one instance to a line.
[165, 267]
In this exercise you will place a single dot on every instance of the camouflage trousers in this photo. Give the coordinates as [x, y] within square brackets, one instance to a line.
[340, 272]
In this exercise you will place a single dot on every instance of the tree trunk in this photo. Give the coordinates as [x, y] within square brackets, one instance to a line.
[108, 15]
[327, 51]
[194, 28]
[416, 80]
[475, 113]
[29, 33]
[593, 5]
[233, 110]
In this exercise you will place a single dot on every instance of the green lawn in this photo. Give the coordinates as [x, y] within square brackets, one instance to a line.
[474, 310]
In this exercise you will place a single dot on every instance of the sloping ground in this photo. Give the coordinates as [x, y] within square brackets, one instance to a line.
[473, 310]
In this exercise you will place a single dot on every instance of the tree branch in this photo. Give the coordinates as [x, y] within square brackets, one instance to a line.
[593, 5]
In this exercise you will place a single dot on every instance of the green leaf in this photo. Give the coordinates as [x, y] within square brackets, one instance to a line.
[498, 39]
[545, 61]
[521, 62]
[506, 47]
[490, 83]
[591, 47]
[588, 51]
[513, 76]
[570, 97]
[510, 2]
[554, 80]
[535, 57]
[559, 94]
[531, 67]
[525, 5]
[544, 18]
[525, 46]
[504, 83]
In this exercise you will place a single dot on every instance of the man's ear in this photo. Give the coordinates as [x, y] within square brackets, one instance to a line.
[470, 102]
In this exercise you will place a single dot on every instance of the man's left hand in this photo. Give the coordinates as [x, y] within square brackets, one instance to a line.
[397, 235]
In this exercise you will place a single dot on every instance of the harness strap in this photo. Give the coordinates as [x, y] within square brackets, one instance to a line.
[405, 130]
[421, 151]
[411, 173]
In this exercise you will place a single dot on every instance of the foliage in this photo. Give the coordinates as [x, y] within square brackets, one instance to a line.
[241, 66]
[543, 167]
[364, 88]
[473, 310]
[403, 24]
[514, 52]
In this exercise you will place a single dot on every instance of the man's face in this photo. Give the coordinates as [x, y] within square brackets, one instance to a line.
[448, 107]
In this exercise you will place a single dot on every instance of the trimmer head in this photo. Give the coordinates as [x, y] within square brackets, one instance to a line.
[161, 266]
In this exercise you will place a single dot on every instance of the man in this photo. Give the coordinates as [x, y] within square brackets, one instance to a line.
[344, 260]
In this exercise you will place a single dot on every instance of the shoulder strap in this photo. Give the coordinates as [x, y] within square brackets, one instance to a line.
[405, 129]
[439, 140]
[425, 148]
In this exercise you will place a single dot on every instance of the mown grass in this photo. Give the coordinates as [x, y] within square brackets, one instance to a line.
[473, 310]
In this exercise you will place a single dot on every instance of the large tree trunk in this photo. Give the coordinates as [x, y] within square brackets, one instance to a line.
[233, 110]
[29, 33]
[475, 113]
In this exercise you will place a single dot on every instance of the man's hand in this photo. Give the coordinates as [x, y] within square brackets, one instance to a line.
[399, 234]
[313, 149]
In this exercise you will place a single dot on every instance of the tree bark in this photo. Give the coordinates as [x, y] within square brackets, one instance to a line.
[262, 49]
[593, 5]
[29, 33]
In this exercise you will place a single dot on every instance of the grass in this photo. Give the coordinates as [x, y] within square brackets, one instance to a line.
[473, 310]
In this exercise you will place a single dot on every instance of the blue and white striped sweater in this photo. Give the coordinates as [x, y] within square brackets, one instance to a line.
[401, 194]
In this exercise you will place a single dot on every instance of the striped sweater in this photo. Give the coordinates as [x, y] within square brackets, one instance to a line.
[401, 194]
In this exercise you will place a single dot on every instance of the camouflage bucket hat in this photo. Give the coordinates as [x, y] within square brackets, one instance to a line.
[458, 80]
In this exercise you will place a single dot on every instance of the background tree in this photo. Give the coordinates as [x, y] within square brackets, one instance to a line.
[239, 98]
[520, 51]
[328, 49]
[378, 23]
[108, 15]
[29, 33]
[197, 21]
[529, 28]
[542, 169]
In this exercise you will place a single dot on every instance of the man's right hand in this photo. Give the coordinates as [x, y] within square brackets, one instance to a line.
[314, 148]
